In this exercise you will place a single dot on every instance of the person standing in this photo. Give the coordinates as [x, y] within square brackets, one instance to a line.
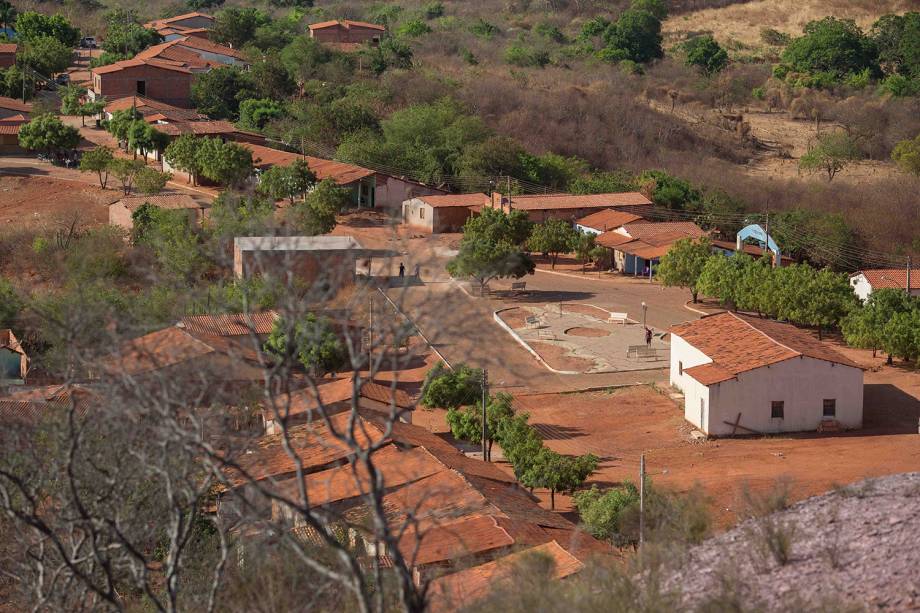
[402, 270]
[648, 336]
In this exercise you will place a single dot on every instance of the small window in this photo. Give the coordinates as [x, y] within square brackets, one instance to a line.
[142, 88]
[830, 407]
[421, 213]
[777, 408]
[680, 368]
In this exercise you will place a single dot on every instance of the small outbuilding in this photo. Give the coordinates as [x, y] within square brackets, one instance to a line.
[445, 213]
[747, 375]
[312, 259]
[346, 34]
[121, 212]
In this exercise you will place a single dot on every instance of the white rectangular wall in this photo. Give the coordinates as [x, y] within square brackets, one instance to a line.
[418, 214]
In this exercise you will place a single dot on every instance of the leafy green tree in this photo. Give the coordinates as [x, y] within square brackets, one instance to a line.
[90, 108]
[683, 264]
[670, 191]
[237, 26]
[7, 14]
[658, 8]
[97, 160]
[550, 169]
[316, 214]
[466, 423]
[907, 155]
[488, 250]
[121, 122]
[305, 59]
[586, 249]
[832, 153]
[125, 171]
[48, 133]
[553, 236]
[605, 513]
[256, 112]
[558, 473]
[824, 239]
[31, 25]
[315, 345]
[269, 78]
[150, 181]
[901, 335]
[218, 92]
[604, 183]
[897, 38]
[145, 138]
[390, 53]
[494, 156]
[10, 303]
[447, 388]
[830, 299]
[233, 214]
[520, 442]
[721, 277]
[172, 239]
[226, 163]
[296, 179]
[635, 36]
[45, 55]
[864, 327]
[182, 154]
[706, 54]
[124, 36]
[834, 46]
[413, 28]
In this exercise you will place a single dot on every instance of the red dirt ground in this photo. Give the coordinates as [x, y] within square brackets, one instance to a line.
[619, 427]
[556, 357]
[34, 201]
[588, 332]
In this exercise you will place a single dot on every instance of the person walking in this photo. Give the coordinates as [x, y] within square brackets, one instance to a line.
[418, 271]
[402, 270]
[648, 336]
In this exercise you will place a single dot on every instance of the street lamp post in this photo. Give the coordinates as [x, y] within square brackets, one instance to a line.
[644, 311]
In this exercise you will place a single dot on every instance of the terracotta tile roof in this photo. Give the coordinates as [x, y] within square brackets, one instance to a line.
[738, 343]
[231, 324]
[187, 49]
[891, 278]
[203, 44]
[169, 20]
[459, 590]
[607, 219]
[163, 201]
[15, 105]
[8, 48]
[653, 232]
[133, 63]
[10, 128]
[531, 202]
[172, 346]
[612, 239]
[458, 200]
[346, 23]
[340, 172]
[316, 447]
[198, 128]
[154, 110]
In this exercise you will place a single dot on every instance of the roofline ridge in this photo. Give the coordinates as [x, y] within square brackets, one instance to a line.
[770, 338]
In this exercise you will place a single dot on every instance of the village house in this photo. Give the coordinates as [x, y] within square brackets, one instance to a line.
[121, 212]
[442, 213]
[605, 220]
[637, 246]
[743, 375]
[330, 260]
[161, 80]
[360, 182]
[152, 111]
[345, 34]
[867, 281]
[569, 207]
[391, 191]
[8, 54]
[196, 54]
[14, 108]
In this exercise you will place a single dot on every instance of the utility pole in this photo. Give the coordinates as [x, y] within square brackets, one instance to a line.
[508, 178]
[766, 240]
[641, 500]
[908, 276]
[370, 333]
[485, 425]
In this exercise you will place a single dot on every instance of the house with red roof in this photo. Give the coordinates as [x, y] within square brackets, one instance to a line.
[637, 246]
[346, 34]
[867, 281]
[570, 207]
[187, 24]
[746, 375]
[8, 54]
[162, 80]
[442, 212]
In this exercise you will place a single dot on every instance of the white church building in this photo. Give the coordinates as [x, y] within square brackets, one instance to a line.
[744, 375]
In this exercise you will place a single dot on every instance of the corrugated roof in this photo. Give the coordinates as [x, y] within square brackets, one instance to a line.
[738, 343]
[458, 200]
[891, 278]
[607, 219]
[531, 202]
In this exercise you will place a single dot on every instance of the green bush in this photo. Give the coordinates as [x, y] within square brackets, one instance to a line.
[484, 29]
[413, 28]
[900, 86]
[451, 389]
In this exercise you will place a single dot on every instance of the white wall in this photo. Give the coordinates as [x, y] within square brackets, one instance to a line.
[418, 214]
[393, 191]
[588, 230]
[801, 383]
[861, 286]
[696, 395]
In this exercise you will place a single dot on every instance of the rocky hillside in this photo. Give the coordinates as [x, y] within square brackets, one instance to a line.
[855, 548]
